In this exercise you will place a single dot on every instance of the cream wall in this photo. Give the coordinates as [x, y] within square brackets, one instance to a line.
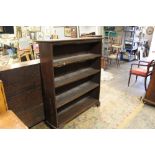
[88, 29]
[152, 48]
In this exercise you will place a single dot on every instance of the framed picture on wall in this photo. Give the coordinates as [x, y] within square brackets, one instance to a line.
[67, 31]
[70, 31]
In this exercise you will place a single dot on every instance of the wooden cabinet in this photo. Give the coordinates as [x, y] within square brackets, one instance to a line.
[22, 86]
[71, 77]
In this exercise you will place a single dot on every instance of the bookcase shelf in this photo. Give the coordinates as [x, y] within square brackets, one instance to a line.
[74, 93]
[75, 109]
[70, 72]
[74, 76]
[64, 60]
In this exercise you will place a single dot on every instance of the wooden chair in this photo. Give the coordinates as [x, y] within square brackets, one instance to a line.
[27, 53]
[24, 49]
[143, 72]
[8, 119]
[114, 56]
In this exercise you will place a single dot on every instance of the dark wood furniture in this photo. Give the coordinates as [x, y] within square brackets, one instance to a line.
[150, 93]
[71, 77]
[104, 62]
[23, 89]
[8, 119]
[143, 72]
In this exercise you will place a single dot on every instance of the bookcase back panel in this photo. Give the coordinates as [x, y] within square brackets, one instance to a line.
[71, 49]
[72, 85]
[59, 71]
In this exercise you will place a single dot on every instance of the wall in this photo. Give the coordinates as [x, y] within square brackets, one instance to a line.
[47, 31]
[88, 29]
[152, 48]
[7, 38]
[147, 37]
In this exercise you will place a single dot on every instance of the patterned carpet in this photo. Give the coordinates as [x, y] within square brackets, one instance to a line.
[116, 111]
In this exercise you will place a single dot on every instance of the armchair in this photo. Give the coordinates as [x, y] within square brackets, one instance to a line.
[143, 72]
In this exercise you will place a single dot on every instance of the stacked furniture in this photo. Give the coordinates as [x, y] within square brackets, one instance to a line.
[71, 77]
[129, 43]
[108, 40]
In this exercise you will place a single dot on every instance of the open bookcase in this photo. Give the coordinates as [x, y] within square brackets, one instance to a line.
[71, 77]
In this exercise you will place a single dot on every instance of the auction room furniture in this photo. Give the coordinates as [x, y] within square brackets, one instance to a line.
[35, 48]
[23, 90]
[115, 55]
[8, 119]
[104, 62]
[143, 69]
[150, 93]
[129, 43]
[71, 77]
[25, 49]
[27, 53]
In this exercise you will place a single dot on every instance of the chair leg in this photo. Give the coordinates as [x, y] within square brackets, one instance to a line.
[117, 63]
[145, 83]
[136, 78]
[129, 80]
[110, 61]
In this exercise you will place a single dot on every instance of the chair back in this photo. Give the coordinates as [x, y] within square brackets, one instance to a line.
[24, 44]
[3, 103]
[151, 66]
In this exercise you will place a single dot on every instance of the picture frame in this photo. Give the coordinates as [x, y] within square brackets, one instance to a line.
[67, 31]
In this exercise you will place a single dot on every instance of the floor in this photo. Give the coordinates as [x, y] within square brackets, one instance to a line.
[145, 119]
[122, 102]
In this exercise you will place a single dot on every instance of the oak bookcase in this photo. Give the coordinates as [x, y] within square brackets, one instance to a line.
[71, 77]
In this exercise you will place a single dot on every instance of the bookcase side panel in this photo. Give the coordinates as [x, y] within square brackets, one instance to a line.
[47, 71]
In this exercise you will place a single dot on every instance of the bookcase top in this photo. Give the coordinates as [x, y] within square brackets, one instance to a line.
[70, 40]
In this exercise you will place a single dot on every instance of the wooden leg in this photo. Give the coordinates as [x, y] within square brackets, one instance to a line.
[145, 83]
[129, 80]
[136, 78]
[110, 61]
[27, 57]
[98, 104]
[118, 63]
